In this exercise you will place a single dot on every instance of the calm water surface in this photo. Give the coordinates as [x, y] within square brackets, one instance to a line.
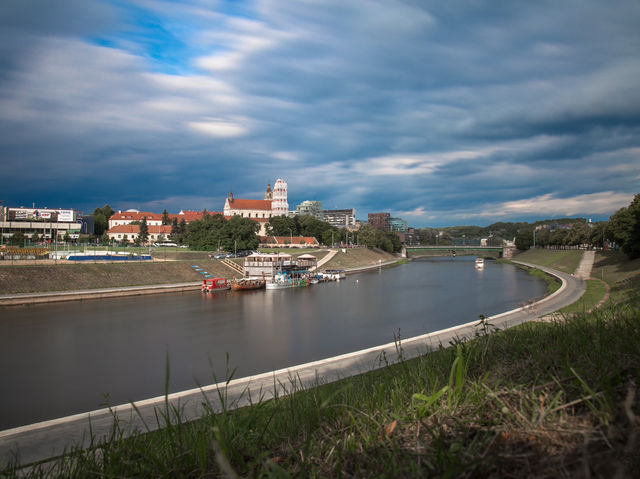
[67, 358]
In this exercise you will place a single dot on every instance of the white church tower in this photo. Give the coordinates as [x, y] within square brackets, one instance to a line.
[279, 204]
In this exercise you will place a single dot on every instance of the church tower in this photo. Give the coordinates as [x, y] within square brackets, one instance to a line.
[269, 194]
[279, 204]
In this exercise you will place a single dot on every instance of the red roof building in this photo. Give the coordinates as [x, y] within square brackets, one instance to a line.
[288, 242]
[128, 233]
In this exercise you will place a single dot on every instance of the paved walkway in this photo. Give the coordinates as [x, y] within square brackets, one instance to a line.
[326, 259]
[586, 265]
[37, 442]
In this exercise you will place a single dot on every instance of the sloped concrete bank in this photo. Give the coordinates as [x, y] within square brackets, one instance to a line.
[36, 298]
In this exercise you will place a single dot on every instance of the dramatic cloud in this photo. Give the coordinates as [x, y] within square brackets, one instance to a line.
[440, 113]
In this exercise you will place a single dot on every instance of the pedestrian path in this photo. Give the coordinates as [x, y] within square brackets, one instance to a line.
[586, 265]
[327, 258]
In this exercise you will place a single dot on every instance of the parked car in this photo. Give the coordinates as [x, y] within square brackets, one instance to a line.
[220, 256]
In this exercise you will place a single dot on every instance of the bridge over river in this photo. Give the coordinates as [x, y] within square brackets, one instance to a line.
[503, 251]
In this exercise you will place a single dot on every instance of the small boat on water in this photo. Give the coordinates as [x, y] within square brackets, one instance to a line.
[248, 284]
[211, 285]
[479, 263]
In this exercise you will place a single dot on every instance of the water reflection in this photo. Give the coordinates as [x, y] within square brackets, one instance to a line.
[61, 359]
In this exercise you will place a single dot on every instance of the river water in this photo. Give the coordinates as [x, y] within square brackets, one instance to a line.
[66, 358]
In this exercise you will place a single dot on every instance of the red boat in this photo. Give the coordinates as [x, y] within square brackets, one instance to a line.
[211, 285]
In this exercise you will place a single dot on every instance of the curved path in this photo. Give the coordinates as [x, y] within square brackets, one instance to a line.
[40, 441]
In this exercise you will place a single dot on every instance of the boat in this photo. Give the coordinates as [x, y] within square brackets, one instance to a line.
[211, 285]
[333, 275]
[283, 280]
[479, 263]
[248, 284]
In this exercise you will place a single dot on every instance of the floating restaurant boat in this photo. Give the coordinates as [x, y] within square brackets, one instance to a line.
[211, 285]
[479, 263]
[279, 270]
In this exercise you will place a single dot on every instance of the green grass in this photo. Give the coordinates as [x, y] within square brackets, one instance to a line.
[596, 291]
[566, 261]
[543, 399]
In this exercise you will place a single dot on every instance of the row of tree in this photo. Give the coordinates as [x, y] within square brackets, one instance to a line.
[622, 230]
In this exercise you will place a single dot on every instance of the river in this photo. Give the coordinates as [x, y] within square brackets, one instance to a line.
[66, 358]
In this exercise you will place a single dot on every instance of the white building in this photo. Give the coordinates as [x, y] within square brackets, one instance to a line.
[279, 205]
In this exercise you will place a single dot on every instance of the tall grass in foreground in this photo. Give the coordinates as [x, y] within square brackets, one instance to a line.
[543, 399]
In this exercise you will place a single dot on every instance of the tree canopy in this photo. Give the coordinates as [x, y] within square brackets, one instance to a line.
[624, 226]
[214, 232]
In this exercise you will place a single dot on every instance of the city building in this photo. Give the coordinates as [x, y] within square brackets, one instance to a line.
[280, 206]
[129, 216]
[345, 218]
[313, 208]
[380, 220]
[47, 223]
[129, 233]
[399, 225]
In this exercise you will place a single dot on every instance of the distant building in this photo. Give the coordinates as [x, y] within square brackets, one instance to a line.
[313, 208]
[380, 220]
[129, 233]
[345, 218]
[45, 222]
[247, 208]
[279, 205]
[129, 216]
[399, 225]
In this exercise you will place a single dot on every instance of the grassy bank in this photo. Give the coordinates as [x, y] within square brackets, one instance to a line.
[28, 277]
[541, 400]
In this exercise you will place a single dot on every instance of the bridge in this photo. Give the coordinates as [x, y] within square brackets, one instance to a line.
[504, 251]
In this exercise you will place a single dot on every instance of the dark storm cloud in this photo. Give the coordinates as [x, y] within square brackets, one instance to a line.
[440, 112]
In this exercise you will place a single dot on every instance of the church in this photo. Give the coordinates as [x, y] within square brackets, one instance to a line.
[274, 204]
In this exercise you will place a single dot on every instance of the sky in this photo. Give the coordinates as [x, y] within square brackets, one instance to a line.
[441, 113]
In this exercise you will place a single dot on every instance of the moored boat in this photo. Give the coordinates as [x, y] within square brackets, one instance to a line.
[211, 285]
[479, 263]
[248, 284]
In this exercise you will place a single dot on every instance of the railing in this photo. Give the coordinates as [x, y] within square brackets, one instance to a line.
[234, 266]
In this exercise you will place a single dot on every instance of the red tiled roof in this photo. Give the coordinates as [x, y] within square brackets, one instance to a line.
[288, 240]
[134, 216]
[240, 204]
[190, 216]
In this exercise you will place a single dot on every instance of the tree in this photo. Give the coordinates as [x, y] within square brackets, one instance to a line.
[165, 218]
[624, 226]
[17, 239]
[101, 219]
[35, 238]
[143, 236]
[282, 226]
[524, 239]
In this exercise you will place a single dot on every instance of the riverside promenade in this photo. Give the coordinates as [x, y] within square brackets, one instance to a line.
[48, 439]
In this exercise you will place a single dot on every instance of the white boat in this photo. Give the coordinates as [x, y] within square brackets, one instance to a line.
[479, 263]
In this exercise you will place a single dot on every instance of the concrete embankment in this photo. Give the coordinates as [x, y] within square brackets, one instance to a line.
[54, 297]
